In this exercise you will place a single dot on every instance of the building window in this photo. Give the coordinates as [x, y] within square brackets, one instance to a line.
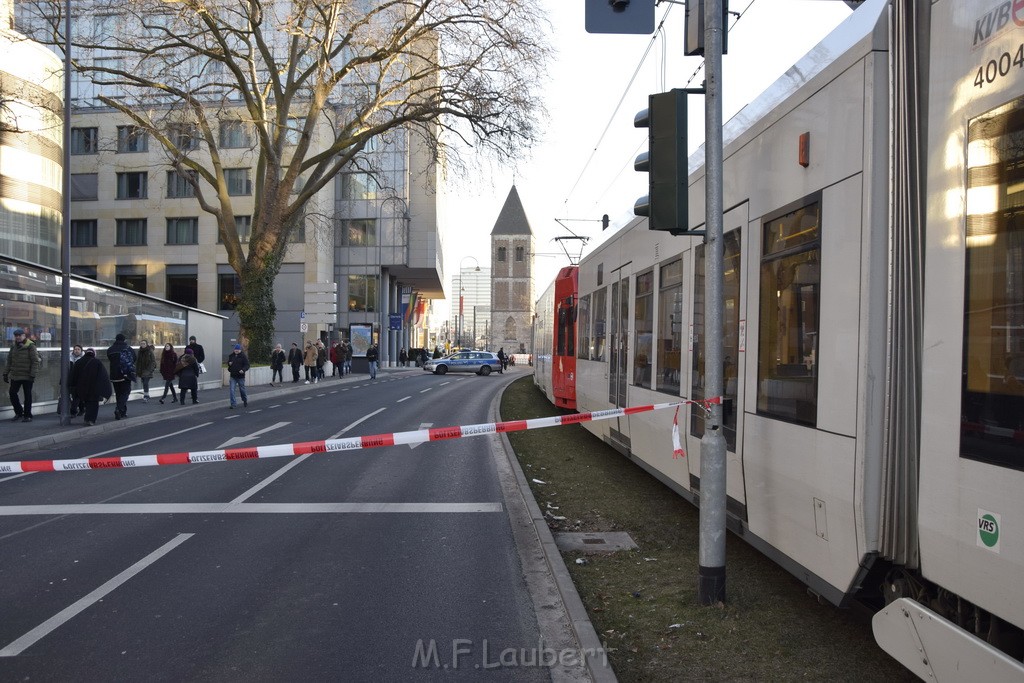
[600, 314]
[131, 277]
[229, 290]
[293, 130]
[85, 140]
[83, 233]
[243, 224]
[131, 232]
[501, 254]
[238, 182]
[362, 293]
[184, 136]
[182, 231]
[584, 349]
[520, 253]
[234, 134]
[360, 232]
[90, 272]
[643, 326]
[84, 187]
[178, 185]
[132, 139]
[510, 329]
[183, 288]
[358, 186]
[787, 370]
[670, 327]
[992, 390]
[133, 185]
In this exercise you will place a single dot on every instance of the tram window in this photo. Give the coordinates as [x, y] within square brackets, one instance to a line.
[566, 333]
[992, 399]
[730, 337]
[670, 327]
[643, 325]
[600, 311]
[787, 371]
[585, 350]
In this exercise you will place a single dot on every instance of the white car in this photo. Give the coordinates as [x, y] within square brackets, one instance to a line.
[480, 362]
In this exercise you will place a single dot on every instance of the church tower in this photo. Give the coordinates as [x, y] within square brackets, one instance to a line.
[512, 298]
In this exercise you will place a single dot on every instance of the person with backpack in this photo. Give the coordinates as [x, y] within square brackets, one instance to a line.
[187, 371]
[122, 373]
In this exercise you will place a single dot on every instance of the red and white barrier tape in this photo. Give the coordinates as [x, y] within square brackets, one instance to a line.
[351, 443]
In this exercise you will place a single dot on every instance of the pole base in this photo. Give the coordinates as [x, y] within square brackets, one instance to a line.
[710, 585]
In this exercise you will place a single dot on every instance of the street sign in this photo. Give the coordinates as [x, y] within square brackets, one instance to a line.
[620, 16]
[394, 321]
[303, 327]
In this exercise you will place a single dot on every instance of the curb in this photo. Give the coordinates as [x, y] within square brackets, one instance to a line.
[599, 668]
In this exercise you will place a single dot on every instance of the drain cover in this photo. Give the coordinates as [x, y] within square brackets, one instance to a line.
[594, 542]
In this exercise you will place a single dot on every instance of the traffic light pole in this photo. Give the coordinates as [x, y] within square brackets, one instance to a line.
[711, 557]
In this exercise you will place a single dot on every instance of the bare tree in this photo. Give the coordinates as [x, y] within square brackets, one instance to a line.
[309, 83]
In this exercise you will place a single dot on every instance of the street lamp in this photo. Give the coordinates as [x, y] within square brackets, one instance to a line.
[458, 337]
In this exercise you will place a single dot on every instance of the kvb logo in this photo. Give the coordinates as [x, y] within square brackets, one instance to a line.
[997, 19]
[988, 530]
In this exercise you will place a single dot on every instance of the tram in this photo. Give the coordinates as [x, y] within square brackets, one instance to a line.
[873, 329]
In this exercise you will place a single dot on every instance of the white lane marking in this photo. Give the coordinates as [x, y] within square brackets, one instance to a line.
[69, 612]
[242, 508]
[359, 421]
[291, 402]
[423, 425]
[403, 399]
[443, 383]
[240, 439]
[122, 448]
[426, 390]
[266, 482]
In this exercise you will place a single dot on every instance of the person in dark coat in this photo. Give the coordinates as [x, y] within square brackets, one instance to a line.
[121, 381]
[403, 357]
[371, 357]
[197, 349]
[295, 360]
[187, 371]
[277, 359]
[501, 359]
[146, 367]
[76, 408]
[168, 361]
[91, 384]
[238, 365]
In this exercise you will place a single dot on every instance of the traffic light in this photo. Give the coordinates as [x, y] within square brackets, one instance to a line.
[665, 161]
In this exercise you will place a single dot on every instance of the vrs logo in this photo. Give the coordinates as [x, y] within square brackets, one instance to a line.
[996, 20]
[988, 530]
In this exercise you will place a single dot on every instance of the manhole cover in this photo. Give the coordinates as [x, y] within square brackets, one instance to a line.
[594, 542]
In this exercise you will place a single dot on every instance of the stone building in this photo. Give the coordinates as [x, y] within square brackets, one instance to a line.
[512, 297]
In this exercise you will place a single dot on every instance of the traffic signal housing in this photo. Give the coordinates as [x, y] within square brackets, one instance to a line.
[665, 162]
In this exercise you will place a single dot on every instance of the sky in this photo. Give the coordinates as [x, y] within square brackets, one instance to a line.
[583, 166]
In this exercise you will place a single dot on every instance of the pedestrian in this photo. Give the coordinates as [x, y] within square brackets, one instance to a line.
[238, 365]
[309, 362]
[295, 360]
[403, 357]
[334, 358]
[371, 357]
[187, 370]
[75, 406]
[200, 354]
[146, 367]
[321, 359]
[501, 359]
[92, 385]
[423, 357]
[277, 359]
[348, 358]
[168, 361]
[123, 361]
[22, 364]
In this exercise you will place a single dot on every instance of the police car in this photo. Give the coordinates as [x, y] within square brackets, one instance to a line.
[480, 362]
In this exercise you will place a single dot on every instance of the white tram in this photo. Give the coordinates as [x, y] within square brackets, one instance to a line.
[873, 329]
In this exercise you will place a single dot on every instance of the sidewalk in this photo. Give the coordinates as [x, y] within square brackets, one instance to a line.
[45, 429]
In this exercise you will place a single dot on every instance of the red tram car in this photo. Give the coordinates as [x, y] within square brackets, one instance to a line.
[554, 339]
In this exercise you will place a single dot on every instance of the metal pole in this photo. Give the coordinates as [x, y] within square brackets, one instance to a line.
[64, 406]
[711, 558]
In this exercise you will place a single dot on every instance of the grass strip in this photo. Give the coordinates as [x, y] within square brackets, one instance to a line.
[643, 602]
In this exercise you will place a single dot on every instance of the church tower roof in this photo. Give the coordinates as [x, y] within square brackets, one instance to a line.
[512, 219]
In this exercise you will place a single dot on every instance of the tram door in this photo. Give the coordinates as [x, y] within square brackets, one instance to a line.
[618, 342]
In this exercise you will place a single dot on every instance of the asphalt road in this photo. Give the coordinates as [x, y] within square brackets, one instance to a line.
[244, 570]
